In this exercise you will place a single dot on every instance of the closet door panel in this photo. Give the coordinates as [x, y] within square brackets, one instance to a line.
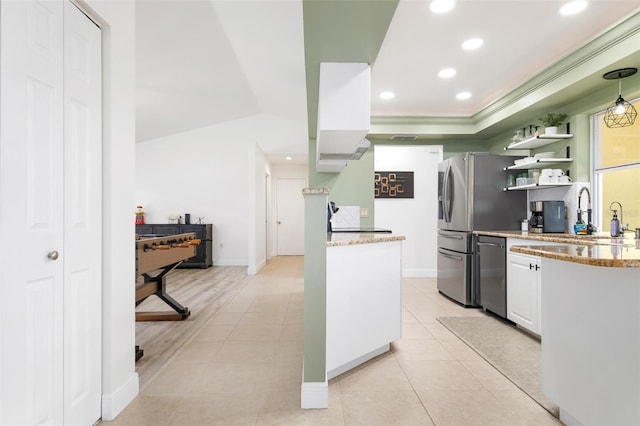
[83, 222]
[31, 213]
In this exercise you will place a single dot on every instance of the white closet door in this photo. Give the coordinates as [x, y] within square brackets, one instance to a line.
[39, 279]
[82, 219]
[31, 212]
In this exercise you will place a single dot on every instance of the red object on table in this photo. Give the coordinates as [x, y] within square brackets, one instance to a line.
[139, 216]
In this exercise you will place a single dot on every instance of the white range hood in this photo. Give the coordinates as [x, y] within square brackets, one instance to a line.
[344, 114]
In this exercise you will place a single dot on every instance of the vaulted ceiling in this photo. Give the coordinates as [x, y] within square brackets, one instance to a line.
[205, 62]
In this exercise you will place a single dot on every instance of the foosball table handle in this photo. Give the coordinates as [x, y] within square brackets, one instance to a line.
[194, 242]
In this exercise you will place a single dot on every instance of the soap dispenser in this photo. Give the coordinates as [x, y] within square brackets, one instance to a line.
[615, 225]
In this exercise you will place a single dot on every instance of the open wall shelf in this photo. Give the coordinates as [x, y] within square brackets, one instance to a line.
[536, 186]
[540, 163]
[538, 141]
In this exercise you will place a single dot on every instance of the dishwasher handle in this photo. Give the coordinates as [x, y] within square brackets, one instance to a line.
[490, 244]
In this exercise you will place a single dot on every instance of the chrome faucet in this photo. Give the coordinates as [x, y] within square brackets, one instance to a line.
[589, 225]
[622, 227]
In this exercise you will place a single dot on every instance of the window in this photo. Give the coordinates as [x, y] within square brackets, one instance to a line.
[616, 175]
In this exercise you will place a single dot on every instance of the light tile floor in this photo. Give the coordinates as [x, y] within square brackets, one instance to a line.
[244, 368]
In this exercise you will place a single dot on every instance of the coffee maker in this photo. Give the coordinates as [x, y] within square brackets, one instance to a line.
[547, 216]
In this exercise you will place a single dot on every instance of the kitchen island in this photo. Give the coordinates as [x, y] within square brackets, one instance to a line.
[364, 297]
[590, 302]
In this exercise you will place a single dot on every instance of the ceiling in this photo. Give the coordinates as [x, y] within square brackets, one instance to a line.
[208, 62]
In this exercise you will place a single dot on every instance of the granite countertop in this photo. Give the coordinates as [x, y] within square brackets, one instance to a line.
[348, 239]
[612, 255]
[599, 249]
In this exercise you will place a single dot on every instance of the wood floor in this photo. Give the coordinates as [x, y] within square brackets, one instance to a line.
[204, 292]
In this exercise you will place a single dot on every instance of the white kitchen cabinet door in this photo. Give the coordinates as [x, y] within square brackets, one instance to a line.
[523, 291]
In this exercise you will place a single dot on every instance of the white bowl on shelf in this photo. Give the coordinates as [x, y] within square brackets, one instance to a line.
[521, 181]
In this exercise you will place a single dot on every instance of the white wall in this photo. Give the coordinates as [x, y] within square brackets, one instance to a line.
[258, 207]
[119, 379]
[207, 172]
[415, 218]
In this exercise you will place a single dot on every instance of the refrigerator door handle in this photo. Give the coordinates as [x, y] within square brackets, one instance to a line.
[453, 237]
[446, 194]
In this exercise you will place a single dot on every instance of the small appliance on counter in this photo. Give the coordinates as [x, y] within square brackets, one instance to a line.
[331, 210]
[547, 216]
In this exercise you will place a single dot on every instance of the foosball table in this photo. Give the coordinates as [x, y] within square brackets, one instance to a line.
[163, 254]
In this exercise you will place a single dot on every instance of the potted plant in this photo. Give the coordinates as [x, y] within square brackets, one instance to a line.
[551, 122]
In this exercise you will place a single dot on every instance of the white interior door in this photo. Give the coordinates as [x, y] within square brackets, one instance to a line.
[290, 216]
[82, 219]
[43, 358]
[31, 153]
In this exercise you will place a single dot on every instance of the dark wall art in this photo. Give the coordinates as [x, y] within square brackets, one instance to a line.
[393, 184]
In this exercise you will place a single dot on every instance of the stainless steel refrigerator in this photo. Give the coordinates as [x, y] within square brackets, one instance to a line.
[471, 197]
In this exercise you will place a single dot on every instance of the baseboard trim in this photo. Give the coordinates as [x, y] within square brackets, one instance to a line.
[568, 419]
[254, 269]
[230, 262]
[314, 395]
[356, 362]
[113, 404]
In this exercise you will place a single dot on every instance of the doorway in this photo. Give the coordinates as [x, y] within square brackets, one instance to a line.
[289, 216]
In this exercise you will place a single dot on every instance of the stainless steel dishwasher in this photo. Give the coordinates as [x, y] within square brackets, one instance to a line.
[492, 273]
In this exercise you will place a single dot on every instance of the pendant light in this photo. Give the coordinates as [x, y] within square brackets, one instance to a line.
[621, 113]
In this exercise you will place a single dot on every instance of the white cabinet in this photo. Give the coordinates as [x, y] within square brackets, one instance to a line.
[524, 284]
[364, 302]
[523, 291]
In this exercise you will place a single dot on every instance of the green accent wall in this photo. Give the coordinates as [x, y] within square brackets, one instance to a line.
[341, 31]
[315, 288]
[334, 31]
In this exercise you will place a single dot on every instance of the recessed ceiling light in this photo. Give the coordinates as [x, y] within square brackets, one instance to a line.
[463, 95]
[441, 6]
[573, 7]
[387, 95]
[472, 43]
[447, 73]
[288, 158]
